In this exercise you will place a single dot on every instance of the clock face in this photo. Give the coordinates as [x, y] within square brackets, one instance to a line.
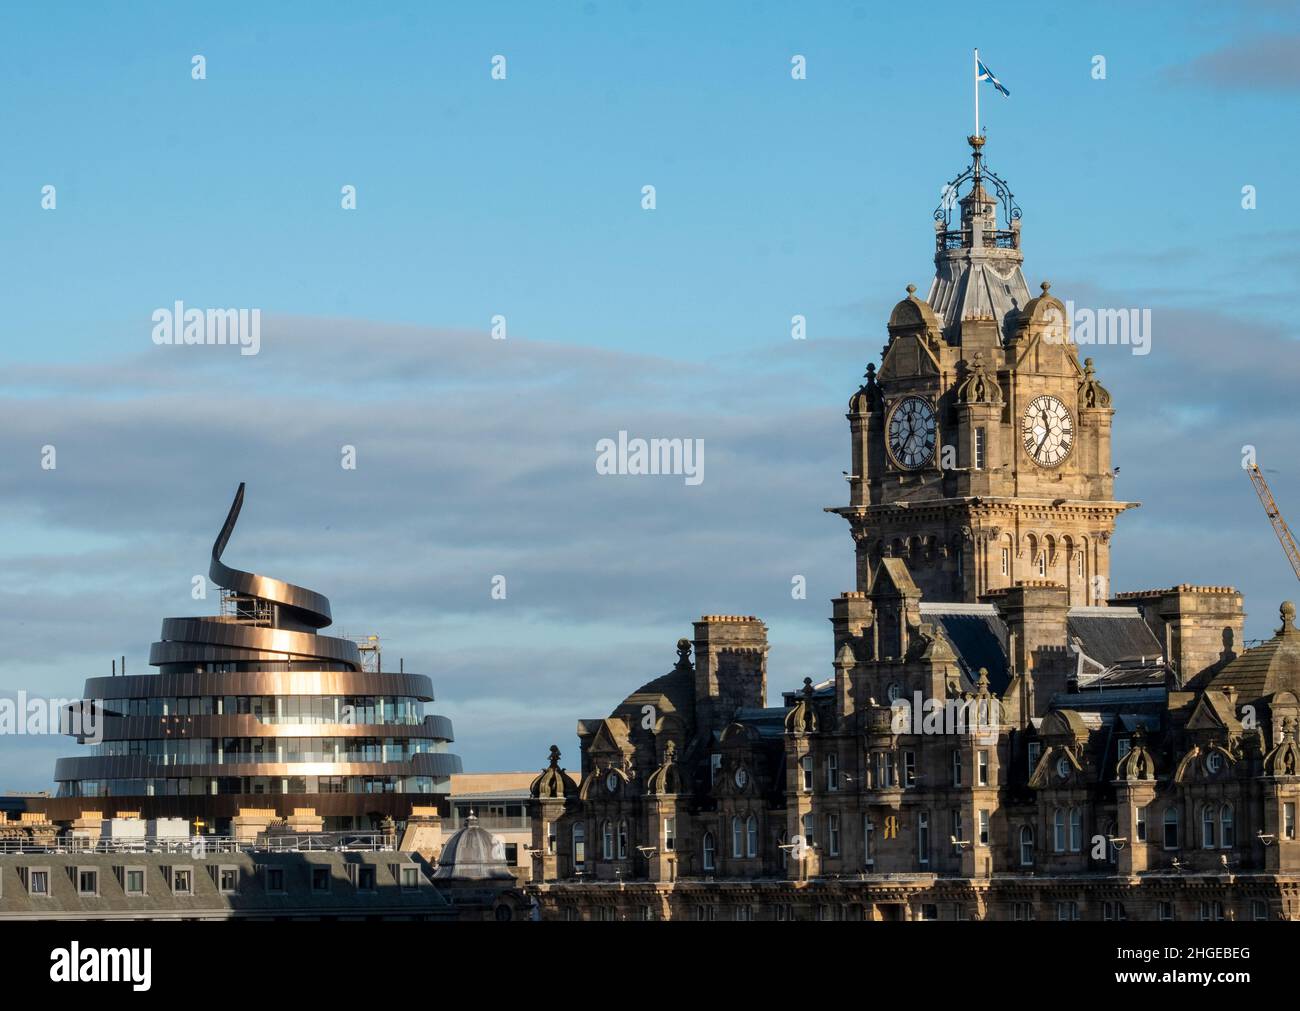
[1047, 430]
[611, 782]
[1063, 767]
[742, 777]
[911, 432]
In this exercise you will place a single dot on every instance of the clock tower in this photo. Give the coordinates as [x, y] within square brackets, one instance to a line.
[981, 445]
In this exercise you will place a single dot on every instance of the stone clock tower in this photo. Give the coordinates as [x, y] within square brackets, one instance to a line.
[981, 447]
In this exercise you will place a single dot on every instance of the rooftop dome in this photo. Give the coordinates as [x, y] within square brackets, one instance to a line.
[472, 854]
[1270, 667]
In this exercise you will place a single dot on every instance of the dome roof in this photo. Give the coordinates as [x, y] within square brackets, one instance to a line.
[554, 781]
[912, 313]
[1268, 668]
[472, 854]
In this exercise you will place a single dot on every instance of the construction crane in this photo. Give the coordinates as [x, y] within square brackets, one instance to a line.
[1275, 517]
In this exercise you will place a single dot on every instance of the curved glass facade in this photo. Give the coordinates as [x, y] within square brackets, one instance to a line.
[253, 707]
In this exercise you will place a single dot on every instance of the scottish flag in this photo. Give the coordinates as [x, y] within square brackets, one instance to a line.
[985, 74]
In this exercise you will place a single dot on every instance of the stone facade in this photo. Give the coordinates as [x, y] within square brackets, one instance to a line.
[999, 737]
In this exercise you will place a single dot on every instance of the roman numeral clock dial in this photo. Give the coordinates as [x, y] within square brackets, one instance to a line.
[911, 430]
[1047, 430]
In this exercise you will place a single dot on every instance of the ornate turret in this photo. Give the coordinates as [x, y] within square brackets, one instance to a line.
[977, 265]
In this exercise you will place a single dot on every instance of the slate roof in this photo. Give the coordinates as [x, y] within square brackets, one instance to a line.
[252, 897]
[1111, 635]
[978, 637]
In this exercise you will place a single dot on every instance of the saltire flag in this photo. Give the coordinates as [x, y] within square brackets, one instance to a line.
[985, 74]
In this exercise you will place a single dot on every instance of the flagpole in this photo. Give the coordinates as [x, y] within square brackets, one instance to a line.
[977, 92]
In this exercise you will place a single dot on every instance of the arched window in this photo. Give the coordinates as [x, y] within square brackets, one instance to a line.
[751, 836]
[710, 851]
[607, 839]
[622, 839]
[737, 838]
[1076, 829]
[579, 845]
[1026, 846]
[1058, 833]
[1171, 828]
[1227, 831]
[1207, 827]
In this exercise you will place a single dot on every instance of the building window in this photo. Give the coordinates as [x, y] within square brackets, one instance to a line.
[1076, 829]
[744, 913]
[367, 879]
[809, 829]
[1258, 909]
[579, 847]
[737, 839]
[622, 839]
[1207, 827]
[1288, 820]
[1171, 828]
[410, 877]
[984, 828]
[929, 911]
[670, 834]
[1078, 563]
[1006, 561]
[134, 882]
[909, 768]
[979, 449]
[1141, 824]
[715, 766]
[806, 767]
[956, 767]
[38, 882]
[954, 823]
[1211, 910]
[1042, 562]
[1113, 911]
[228, 880]
[868, 842]
[710, 850]
[1035, 750]
[1165, 910]
[1058, 831]
[1227, 829]
[1022, 911]
[320, 879]
[607, 839]
[751, 836]
[183, 880]
[923, 838]
[1067, 910]
[275, 879]
[87, 881]
[784, 912]
[833, 834]
[832, 772]
[1026, 846]
[884, 769]
[983, 768]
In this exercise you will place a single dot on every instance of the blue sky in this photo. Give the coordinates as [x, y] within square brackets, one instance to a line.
[522, 197]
